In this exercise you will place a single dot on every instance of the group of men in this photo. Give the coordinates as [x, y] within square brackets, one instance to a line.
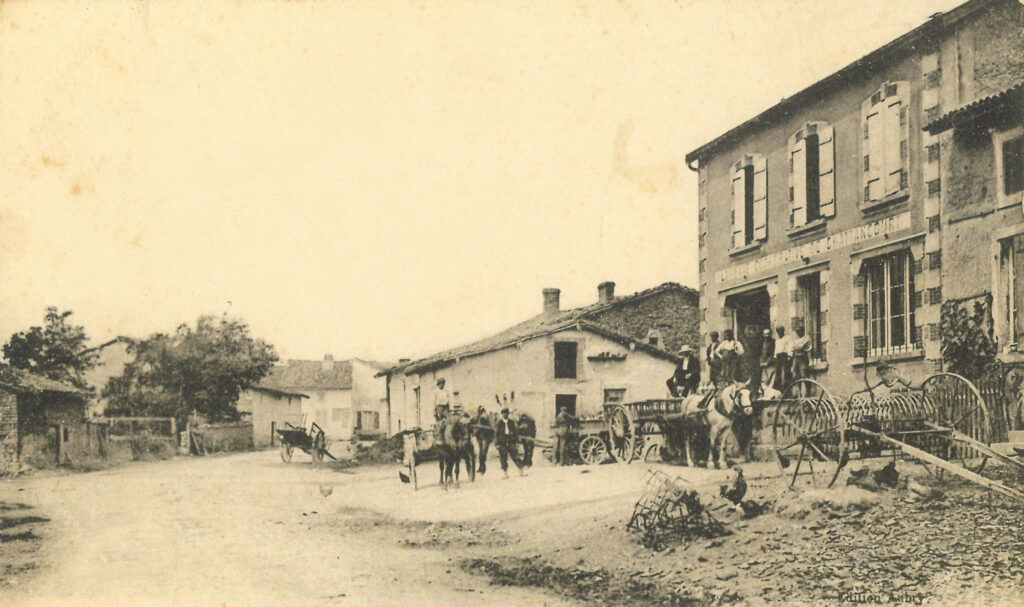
[785, 358]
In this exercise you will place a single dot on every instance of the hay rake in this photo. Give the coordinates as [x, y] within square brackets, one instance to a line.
[944, 425]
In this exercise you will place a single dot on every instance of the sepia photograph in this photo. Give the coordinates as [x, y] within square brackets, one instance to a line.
[578, 302]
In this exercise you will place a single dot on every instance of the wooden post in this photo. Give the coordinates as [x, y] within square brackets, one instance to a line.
[60, 443]
[273, 426]
[174, 428]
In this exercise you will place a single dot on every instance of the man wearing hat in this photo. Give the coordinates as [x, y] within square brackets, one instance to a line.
[687, 374]
[442, 399]
[507, 440]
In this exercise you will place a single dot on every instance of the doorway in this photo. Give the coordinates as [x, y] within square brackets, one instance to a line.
[565, 400]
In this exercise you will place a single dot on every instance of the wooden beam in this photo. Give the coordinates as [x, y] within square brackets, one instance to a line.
[944, 465]
[980, 446]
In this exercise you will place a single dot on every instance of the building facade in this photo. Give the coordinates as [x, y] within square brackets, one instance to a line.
[269, 410]
[345, 398]
[618, 349]
[827, 210]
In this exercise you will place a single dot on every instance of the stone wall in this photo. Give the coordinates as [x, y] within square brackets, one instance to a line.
[8, 432]
[674, 313]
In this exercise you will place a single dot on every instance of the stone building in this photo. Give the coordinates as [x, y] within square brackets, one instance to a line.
[617, 349]
[344, 397]
[834, 210]
[32, 408]
[269, 410]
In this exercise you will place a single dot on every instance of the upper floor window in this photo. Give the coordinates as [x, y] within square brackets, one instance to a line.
[885, 150]
[812, 185]
[1009, 146]
[565, 359]
[749, 200]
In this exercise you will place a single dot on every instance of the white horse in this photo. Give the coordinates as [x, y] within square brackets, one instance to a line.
[732, 406]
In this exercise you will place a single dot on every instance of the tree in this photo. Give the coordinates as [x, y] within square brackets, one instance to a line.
[200, 369]
[967, 344]
[56, 350]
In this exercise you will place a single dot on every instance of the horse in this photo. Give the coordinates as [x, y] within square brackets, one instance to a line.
[482, 430]
[730, 420]
[453, 446]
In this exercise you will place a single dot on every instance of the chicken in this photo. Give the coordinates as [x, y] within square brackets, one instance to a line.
[887, 476]
[738, 489]
[403, 477]
[326, 490]
[1018, 451]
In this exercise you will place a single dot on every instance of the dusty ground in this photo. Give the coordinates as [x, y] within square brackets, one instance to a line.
[247, 529]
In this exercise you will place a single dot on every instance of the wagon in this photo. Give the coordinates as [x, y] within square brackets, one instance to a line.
[609, 434]
[943, 424]
[312, 441]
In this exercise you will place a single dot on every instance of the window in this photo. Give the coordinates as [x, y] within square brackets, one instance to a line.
[565, 359]
[749, 200]
[416, 399]
[653, 337]
[1011, 294]
[367, 420]
[565, 400]
[614, 396]
[1009, 146]
[884, 119]
[890, 314]
[811, 174]
[807, 304]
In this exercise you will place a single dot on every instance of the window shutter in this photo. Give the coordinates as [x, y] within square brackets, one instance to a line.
[798, 160]
[760, 199]
[738, 192]
[893, 139]
[874, 149]
[826, 171]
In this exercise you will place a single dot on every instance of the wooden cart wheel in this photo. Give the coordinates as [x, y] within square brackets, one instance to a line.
[809, 432]
[955, 403]
[318, 447]
[286, 453]
[621, 433]
[592, 450]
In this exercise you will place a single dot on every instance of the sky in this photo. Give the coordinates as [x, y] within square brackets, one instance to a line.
[376, 179]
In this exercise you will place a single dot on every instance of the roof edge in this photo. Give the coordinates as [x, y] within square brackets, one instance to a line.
[936, 23]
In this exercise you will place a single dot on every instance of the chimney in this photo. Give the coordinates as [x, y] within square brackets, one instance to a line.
[328, 364]
[551, 300]
[605, 291]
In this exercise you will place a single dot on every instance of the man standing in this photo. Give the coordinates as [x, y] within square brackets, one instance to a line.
[729, 352]
[686, 378]
[483, 430]
[801, 347]
[527, 429]
[767, 355]
[752, 339]
[714, 364]
[783, 349]
[563, 427]
[507, 439]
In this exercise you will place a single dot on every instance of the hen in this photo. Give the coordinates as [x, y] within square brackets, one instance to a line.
[738, 489]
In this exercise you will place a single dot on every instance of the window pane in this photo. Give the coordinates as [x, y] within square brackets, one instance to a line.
[898, 299]
[748, 204]
[565, 359]
[813, 178]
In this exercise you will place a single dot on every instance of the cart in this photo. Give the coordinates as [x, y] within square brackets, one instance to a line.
[943, 424]
[312, 441]
[611, 433]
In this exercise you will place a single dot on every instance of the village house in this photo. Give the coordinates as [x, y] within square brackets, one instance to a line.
[111, 358]
[269, 410]
[835, 211]
[345, 398]
[617, 349]
[38, 417]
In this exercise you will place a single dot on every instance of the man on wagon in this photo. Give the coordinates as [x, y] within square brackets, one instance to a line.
[442, 398]
[686, 378]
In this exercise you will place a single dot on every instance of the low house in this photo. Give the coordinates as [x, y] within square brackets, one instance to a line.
[269, 409]
[617, 349]
[111, 358]
[37, 417]
[343, 397]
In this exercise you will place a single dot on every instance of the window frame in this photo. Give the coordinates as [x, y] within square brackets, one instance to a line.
[803, 181]
[575, 359]
[882, 145]
[869, 269]
[999, 139]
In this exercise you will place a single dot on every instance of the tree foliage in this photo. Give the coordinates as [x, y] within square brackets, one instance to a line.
[200, 369]
[967, 344]
[56, 350]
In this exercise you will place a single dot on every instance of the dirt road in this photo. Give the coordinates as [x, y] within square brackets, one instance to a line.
[236, 530]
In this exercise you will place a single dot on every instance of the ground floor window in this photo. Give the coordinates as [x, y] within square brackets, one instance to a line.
[367, 420]
[614, 396]
[1010, 292]
[890, 314]
[565, 400]
[807, 300]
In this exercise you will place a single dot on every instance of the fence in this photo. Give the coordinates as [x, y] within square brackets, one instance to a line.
[1003, 391]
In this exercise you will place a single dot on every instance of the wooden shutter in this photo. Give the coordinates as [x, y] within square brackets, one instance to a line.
[893, 137]
[826, 171]
[738, 205]
[798, 181]
[760, 198]
[874, 148]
